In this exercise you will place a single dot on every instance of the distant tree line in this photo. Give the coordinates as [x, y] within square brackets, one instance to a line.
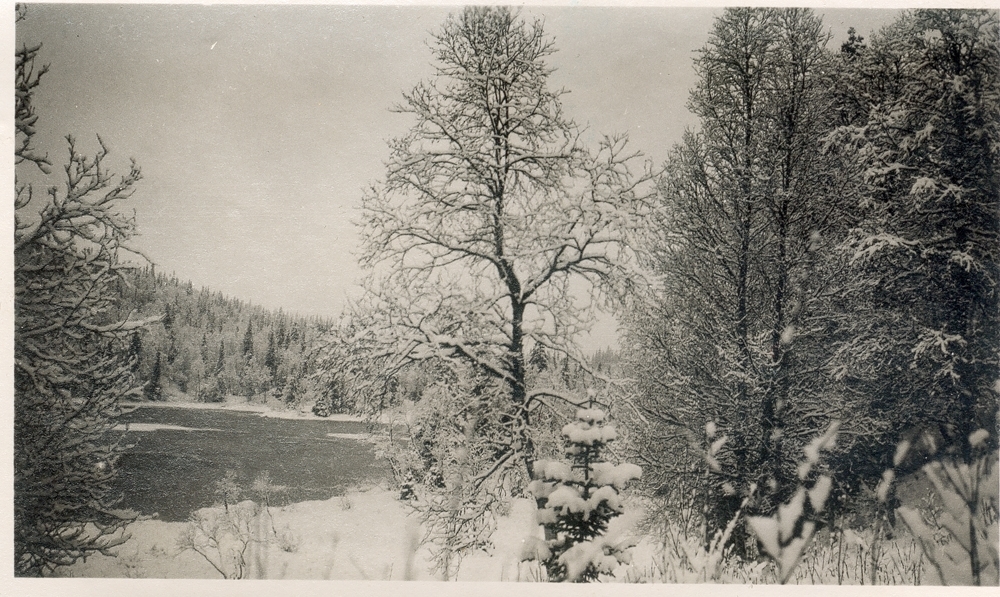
[207, 346]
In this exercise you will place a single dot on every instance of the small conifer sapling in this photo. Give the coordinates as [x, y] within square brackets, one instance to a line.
[577, 500]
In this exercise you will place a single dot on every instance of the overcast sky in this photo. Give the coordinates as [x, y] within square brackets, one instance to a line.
[258, 127]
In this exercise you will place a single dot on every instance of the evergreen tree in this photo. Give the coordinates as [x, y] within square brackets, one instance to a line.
[925, 256]
[168, 317]
[172, 349]
[271, 358]
[537, 360]
[281, 336]
[576, 501]
[220, 364]
[154, 389]
[248, 342]
[291, 391]
[854, 45]
[566, 374]
[135, 352]
[204, 350]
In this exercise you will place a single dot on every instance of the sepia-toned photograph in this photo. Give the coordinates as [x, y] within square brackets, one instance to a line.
[537, 294]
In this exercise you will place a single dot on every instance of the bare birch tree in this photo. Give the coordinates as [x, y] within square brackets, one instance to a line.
[71, 369]
[746, 230]
[493, 231]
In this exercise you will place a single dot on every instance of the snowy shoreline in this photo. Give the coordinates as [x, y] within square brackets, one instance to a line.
[394, 418]
[367, 533]
[158, 427]
[262, 410]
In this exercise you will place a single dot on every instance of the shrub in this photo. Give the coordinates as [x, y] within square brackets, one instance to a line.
[960, 541]
[785, 535]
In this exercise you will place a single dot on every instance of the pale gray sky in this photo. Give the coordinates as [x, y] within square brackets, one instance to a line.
[257, 127]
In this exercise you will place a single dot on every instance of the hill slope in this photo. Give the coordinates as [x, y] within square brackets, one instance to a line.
[208, 345]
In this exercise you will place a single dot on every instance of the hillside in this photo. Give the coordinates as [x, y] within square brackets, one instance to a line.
[208, 345]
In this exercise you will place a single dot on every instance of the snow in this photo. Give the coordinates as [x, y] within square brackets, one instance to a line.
[883, 487]
[553, 470]
[606, 553]
[566, 497]
[819, 492]
[354, 436]
[605, 473]
[535, 548]
[923, 185]
[262, 410]
[587, 428]
[569, 499]
[789, 514]
[827, 441]
[902, 448]
[578, 433]
[602, 473]
[372, 537]
[590, 415]
[159, 426]
[368, 534]
[363, 535]
[766, 530]
[577, 558]
[978, 437]
[546, 516]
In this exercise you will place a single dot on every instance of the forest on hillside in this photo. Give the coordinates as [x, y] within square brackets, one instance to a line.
[207, 346]
[807, 291]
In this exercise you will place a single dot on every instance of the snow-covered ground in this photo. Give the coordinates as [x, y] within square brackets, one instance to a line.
[270, 410]
[365, 535]
[355, 436]
[359, 536]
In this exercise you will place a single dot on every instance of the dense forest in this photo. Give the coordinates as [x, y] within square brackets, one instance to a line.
[807, 289]
[827, 244]
[207, 346]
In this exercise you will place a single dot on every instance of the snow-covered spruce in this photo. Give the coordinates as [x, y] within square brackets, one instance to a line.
[576, 500]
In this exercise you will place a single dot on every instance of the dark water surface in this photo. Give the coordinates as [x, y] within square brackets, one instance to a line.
[173, 472]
